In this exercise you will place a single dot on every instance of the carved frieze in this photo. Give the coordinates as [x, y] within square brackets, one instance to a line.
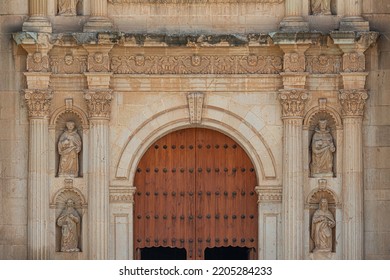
[195, 106]
[98, 62]
[38, 102]
[354, 62]
[122, 194]
[196, 64]
[323, 64]
[294, 62]
[37, 62]
[116, 2]
[68, 64]
[293, 102]
[269, 194]
[353, 101]
[99, 103]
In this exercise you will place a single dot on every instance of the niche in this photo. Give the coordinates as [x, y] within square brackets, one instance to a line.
[69, 7]
[323, 7]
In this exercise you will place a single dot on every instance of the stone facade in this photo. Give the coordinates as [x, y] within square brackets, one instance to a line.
[127, 72]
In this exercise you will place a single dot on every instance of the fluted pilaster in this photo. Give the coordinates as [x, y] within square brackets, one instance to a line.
[99, 20]
[38, 104]
[293, 20]
[353, 103]
[38, 21]
[293, 106]
[353, 20]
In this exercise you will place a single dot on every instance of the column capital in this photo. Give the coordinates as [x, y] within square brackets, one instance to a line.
[293, 102]
[353, 102]
[38, 102]
[121, 194]
[269, 194]
[99, 103]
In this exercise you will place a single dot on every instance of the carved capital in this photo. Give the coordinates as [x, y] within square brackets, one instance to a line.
[293, 102]
[353, 102]
[195, 106]
[269, 194]
[119, 194]
[38, 102]
[99, 103]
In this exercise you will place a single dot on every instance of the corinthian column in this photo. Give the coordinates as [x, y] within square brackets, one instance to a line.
[353, 20]
[99, 20]
[353, 102]
[293, 108]
[38, 104]
[99, 108]
[38, 21]
[293, 20]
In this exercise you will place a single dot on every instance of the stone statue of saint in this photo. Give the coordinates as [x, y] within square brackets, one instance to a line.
[67, 7]
[69, 146]
[68, 221]
[320, 7]
[321, 228]
[322, 148]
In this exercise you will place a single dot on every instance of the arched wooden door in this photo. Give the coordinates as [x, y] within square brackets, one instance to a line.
[195, 190]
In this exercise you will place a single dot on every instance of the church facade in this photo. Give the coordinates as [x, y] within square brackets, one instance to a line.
[195, 129]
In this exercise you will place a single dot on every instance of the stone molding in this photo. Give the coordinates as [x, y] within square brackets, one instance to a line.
[353, 102]
[119, 2]
[38, 102]
[269, 194]
[99, 103]
[195, 106]
[119, 194]
[196, 64]
[293, 102]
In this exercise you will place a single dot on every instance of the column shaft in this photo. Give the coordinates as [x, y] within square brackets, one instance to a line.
[292, 189]
[38, 8]
[353, 188]
[353, 8]
[293, 8]
[98, 189]
[99, 8]
[38, 189]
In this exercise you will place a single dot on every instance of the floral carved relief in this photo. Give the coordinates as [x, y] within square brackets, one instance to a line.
[196, 64]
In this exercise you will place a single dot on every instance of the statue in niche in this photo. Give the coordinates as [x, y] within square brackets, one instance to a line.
[321, 228]
[322, 148]
[69, 147]
[68, 221]
[320, 7]
[67, 7]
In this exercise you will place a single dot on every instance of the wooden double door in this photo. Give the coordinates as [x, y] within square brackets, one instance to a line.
[195, 190]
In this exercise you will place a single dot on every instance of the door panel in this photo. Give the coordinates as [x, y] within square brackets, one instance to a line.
[195, 190]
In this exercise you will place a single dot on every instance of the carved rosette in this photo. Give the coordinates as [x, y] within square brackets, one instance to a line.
[293, 102]
[38, 102]
[353, 102]
[99, 103]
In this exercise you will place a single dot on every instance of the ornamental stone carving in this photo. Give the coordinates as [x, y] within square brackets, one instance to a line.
[37, 62]
[195, 106]
[38, 102]
[322, 149]
[67, 7]
[323, 64]
[353, 101]
[320, 7]
[69, 147]
[293, 102]
[116, 2]
[321, 228]
[99, 103]
[68, 64]
[196, 64]
[354, 62]
[294, 62]
[69, 221]
[98, 62]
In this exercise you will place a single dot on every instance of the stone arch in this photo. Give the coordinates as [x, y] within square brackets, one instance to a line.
[56, 115]
[316, 112]
[215, 118]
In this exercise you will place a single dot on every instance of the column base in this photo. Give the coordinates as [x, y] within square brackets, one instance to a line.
[354, 24]
[37, 24]
[293, 24]
[98, 24]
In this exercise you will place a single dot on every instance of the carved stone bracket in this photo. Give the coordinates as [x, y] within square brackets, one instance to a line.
[269, 194]
[122, 194]
[293, 102]
[38, 102]
[99, 103]
[353, 102]
[195, 106]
